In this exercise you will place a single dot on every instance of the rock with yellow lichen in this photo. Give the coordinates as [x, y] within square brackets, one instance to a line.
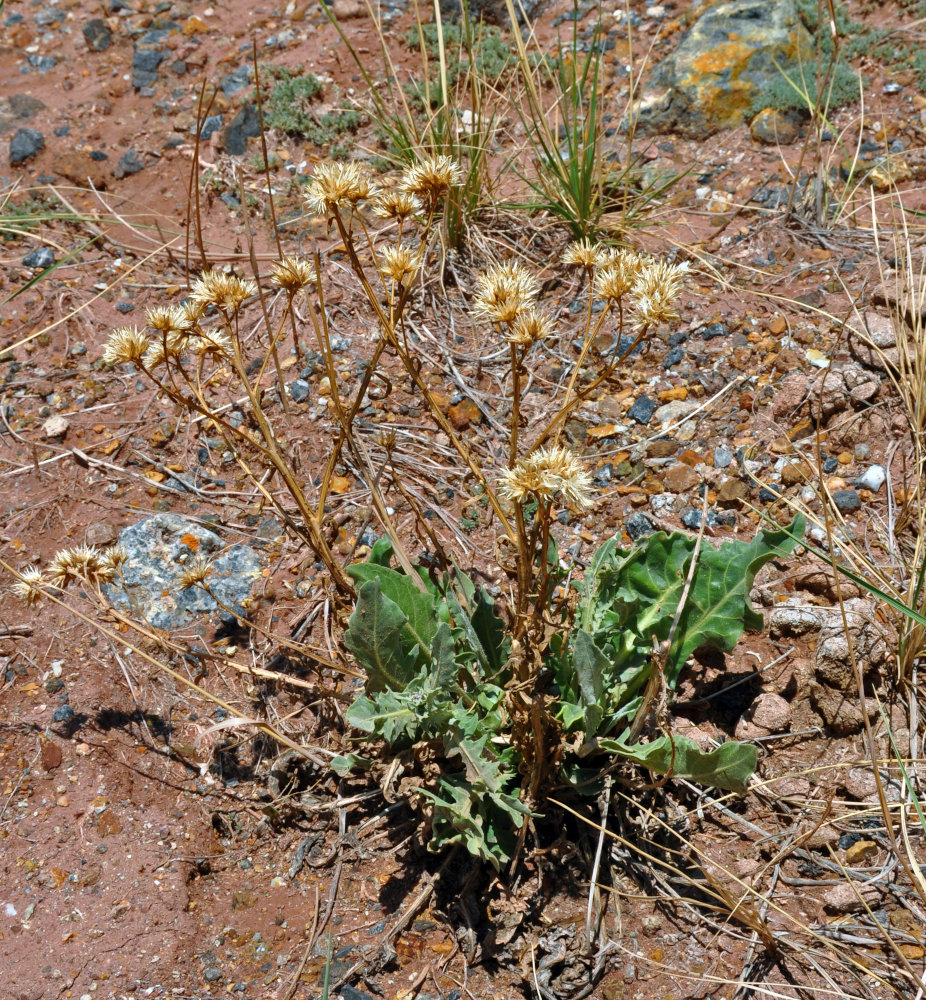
[733, 52]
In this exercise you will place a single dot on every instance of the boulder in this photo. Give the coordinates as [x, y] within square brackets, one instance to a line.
[732, 54]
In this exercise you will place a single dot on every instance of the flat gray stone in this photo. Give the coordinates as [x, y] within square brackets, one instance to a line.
[159, 549]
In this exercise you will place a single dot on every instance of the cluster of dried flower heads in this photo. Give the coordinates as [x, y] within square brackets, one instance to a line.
[336, 187]
[81, 564]
[549, 474]
[650, 286]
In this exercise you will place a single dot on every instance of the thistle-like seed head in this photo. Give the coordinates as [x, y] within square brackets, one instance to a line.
[529, 327]
[115, 556]
[505, 291]
[336, 185]
[400, 263]
[128, 343]
[195, 572]
[292, 274]
[224, 291]
[83, 562]
[214, 342]
[168, 320]
[617, 271]
[547, 473]
[431, 178]
[30, 588]
[193, 312]
[396, 204]
[655, 290]
[583, 253]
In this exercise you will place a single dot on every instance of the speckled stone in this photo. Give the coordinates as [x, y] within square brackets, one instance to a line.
[159, 548]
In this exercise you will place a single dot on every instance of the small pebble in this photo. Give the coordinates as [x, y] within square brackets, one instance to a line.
[41, 258]
[847, 501]
[862, 452]
[872, 478]
[723, 457]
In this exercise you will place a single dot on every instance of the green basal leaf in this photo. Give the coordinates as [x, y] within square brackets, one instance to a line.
[391, 716]
[343, 764]
[418, 607]
[592, 667]
[380, 553]
[378, 636]
[728, 766]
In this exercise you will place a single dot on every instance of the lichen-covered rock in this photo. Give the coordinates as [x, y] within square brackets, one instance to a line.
[159, 548]
[732, 54]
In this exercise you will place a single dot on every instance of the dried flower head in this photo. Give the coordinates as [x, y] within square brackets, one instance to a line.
[30, 588]
[292, 274]
[115, 556]
[195, 572]
[400, 263]
[336, 185]
[214, 342]
[168, 320]
[547, 473]
[529, 327]
[583, 253]
[617, 271]
[655, 290]
[505, 291]
[83, 562]
[396, 204]
[128, 343]
[431, 179]
[157, 354]
[224, 291]
[193, 312]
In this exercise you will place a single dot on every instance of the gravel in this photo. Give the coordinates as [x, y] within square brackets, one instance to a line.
[26, 143]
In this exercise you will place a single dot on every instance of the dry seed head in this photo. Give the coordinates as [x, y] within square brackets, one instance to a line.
[224, 291]
[529, 327]
[505, 291]
[396, 204]
[128, 343]
[195, 572]
[617, 272]
[115, 556]
[157, 354]
[338, 184]
[431, 178]
[655, 290]
[546, 473]
[214, 342]
[400, 263]
[29, 588]
[193, 312]
[292, 274]
[168, 320]
[659, 277]
[83, 562]
[583, 253]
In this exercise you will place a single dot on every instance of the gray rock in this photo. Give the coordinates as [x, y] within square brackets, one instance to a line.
[299, 390]
[871, 644]
[48, 16]
[789, 620]
[872, 478]
[723, 457]
[157, 557]
[145, 64]
[97, 35]
[847, 501]
[26, 143]
[211, 124]
[643, 409]
[236, 81]
[129, 163]
[18, 108]
[638, 525]
[245, 125]
[41, 258]
[730, 56]
[872, 340]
